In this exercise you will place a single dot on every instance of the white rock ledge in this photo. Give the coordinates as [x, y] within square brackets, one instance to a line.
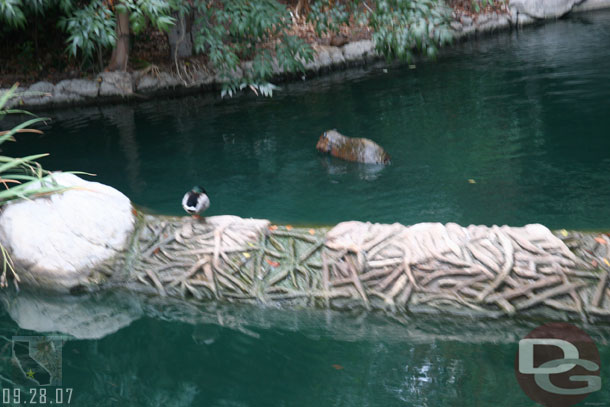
[56, 241]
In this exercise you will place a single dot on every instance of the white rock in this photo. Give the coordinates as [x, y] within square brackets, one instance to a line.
[356, 50]
[543, 8]
[56, 241]
[336, 56]
[588, 5]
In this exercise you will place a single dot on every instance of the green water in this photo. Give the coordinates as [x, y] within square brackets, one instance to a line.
[526, 115]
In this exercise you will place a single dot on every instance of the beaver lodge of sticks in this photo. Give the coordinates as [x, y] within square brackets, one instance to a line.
[426, 267]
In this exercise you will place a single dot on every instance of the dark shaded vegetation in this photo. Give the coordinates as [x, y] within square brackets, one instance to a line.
[58, 39]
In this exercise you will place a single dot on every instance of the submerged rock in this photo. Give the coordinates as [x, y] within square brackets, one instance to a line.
[57, 241]
[352, 149]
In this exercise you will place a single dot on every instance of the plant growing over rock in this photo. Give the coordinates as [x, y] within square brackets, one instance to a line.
[20, 177]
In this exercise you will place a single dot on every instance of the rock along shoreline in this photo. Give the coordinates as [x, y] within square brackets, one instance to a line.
[89, 239]
[110, 87]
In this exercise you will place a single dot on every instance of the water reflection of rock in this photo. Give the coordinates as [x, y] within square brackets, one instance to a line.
[336, 168]
[86, 317]
[97, 315]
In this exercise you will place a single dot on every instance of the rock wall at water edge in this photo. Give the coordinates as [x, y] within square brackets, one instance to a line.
[90, 239]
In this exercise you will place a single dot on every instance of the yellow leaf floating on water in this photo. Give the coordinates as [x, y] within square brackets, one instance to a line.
[564, 232]
[471, 181]
[337, 367]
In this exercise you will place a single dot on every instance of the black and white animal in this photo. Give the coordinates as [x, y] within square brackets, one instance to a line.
[195, 201]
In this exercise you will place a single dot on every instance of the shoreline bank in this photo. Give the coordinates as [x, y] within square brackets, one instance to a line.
[113, 87]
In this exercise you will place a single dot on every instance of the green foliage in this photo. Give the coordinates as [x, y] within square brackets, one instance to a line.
[328, 17]
[142, 11]
[11, 13]
[20, 177]
[14, 13]
[400, 26]
[230, 32]
[239, 31]
[90, 25]
[478, 5]
[89, 29]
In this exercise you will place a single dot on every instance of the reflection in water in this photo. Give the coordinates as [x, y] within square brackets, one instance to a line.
[337, 168]
[178, 354]
[124, 120]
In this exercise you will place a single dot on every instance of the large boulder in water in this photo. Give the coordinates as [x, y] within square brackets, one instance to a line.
[360, 150]
[57, 241]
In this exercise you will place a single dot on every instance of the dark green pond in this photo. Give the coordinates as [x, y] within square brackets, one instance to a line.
[525, 115]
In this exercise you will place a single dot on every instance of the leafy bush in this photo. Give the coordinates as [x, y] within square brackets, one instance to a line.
[478, 5]
[230, 32]
[242, 30]
[400, 26]
[328, 17]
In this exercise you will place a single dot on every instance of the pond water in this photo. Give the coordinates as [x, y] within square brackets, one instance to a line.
[524, 115]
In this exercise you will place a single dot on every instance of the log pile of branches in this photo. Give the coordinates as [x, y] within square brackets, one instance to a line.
[425, 267]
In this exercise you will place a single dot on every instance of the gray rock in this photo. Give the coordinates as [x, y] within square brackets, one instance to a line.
[483, 18]
[57, 241]
[40, 93]
[466, 20]
[150, 83]
[336, 56]
[322, 58]
[116, 84]
[358, 50]
[147, 83]
[42, 87]
[456, 25]
[543, 8]
[588, 5]
[202, 77]
[75, 89]
[17, 98]
[237, 73]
